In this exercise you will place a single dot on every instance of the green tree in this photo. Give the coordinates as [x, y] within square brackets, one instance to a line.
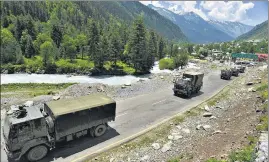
[181, 60]
[70, 47]
[57, 35]
[93, 43]
[161, 53]
[41, 38]
[46, 50]
[9, 47]
[81, 42]
[152, 49]
[203, 52]
[138, 51]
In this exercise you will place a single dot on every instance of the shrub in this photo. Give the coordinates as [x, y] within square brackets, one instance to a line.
[166, 63]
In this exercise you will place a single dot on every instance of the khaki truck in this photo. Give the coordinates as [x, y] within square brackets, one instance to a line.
[32, 132]
[190, 83]
[226, 74]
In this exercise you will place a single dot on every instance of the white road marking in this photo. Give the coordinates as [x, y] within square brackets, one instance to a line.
[121, 115]
[158, 102]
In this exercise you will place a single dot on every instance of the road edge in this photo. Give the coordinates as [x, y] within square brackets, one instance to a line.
[130, 138]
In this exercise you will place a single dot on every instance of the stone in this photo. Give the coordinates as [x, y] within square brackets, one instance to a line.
[56, 97]
[198, 127]
[161, 77]
[213, 117]
[144, 158]
[207, 114]
[177, 137]
[166, 147]
[219, 107]
[123, 87]
[111, 159]
[217, 132]
[179, 127]
[127, 84]
[206, 108]
[100, 89]
[156, 146]
[29, 103]
[185, 130]
[250, 83]
[206, 127]
[170, 137]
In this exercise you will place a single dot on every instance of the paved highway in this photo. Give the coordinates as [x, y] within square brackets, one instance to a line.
[134, 115]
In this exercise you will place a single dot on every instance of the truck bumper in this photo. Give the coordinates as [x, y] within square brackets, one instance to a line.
[179, 91]
[12, 155]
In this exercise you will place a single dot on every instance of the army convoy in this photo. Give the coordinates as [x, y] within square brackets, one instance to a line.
[190, 83]
[31, 132]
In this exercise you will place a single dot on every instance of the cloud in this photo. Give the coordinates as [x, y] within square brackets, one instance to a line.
[227, 11]
[216, 10]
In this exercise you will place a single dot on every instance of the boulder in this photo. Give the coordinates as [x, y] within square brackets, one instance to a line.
[213, 117]
[206, 127]
[144, 158]
[161, 77]
[122, 87]
[177, 137]
[166, 147]
[170, 137]
[127, 84]
[206, 108]
[250, 83]
[156, 146]
[100, 89]
[56, 97]
[207, 114]
[185, 130]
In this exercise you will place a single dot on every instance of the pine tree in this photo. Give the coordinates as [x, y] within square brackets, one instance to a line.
[138, 52]
[93, 43]
[29, 47]
[152, 50]
[56, 35]
[161, 53]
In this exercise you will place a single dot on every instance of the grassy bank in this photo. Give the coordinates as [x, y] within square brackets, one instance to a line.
[63, 66]
[31, 89]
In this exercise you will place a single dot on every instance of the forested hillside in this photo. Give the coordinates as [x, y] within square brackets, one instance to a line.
[65, 37]
[258, 32]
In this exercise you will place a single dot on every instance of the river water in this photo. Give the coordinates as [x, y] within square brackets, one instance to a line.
[58, 78]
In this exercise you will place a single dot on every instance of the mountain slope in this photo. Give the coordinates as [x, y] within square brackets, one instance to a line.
[234, 29]
[258, 32]
[194, 27]
[128, 11]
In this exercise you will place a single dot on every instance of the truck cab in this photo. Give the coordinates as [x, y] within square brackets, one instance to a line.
[190, 83]
[23, 128]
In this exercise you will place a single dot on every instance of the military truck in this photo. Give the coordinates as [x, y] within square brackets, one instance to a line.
[190, 83]
[242, 69]
[235, 71]
[31, 132]
[226, 74]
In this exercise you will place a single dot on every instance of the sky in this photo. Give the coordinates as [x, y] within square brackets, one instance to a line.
[247, 12]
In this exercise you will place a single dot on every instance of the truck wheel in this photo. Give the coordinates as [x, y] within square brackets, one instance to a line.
[100, 130]
[37, 153]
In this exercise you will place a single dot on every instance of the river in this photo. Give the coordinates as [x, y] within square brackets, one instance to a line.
[59, 78]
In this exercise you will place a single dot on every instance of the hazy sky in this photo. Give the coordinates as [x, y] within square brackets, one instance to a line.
[247, 12]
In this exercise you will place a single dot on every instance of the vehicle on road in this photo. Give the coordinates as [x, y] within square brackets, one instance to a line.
[242, 69]
[31, 132]
[226, 74]
[235, 71]
[190, 83]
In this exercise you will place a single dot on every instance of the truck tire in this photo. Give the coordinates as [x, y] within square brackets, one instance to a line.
[37, 153]
[100, 130]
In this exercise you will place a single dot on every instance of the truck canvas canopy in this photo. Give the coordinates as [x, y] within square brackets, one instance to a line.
[67, 106]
